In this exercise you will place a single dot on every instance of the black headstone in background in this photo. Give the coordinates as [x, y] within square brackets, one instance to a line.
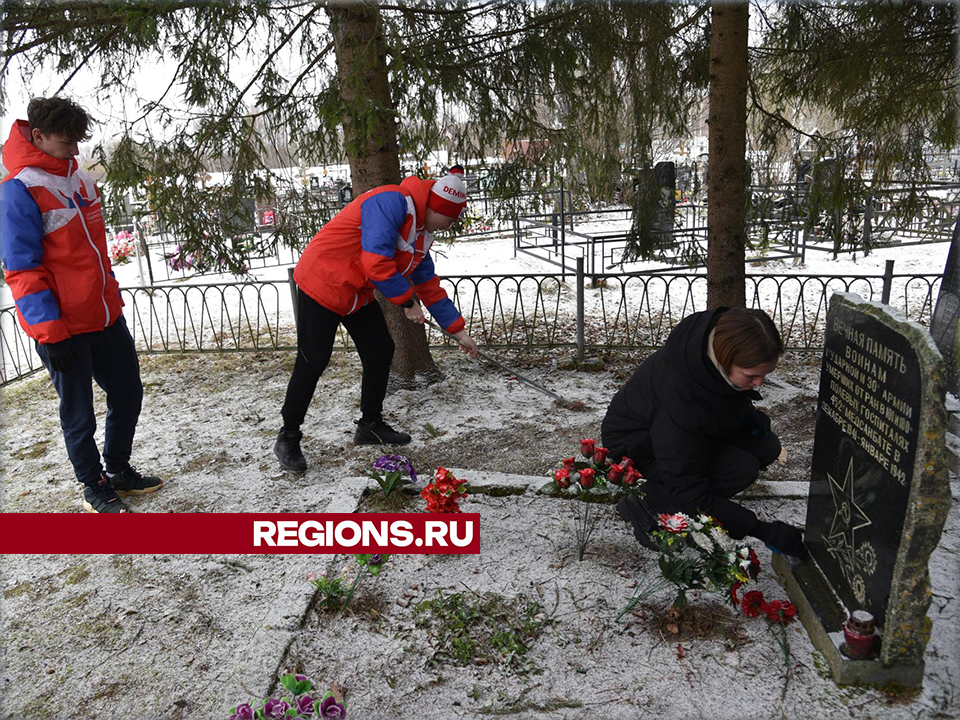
[665, 174]
[865, 445]
[943, 325]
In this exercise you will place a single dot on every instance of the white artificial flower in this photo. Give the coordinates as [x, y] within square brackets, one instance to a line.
[702, 540]
[721, 538]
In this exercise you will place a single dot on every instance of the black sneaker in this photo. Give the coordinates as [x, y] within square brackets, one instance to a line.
[101, 498]
[378, 433]
[287, 450]
[130, 482]
[632, 510]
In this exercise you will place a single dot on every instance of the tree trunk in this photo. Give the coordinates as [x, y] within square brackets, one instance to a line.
[727, 174]
[370, 143]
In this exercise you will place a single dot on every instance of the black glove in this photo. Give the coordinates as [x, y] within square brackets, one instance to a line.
[61, 354]
[781, 537]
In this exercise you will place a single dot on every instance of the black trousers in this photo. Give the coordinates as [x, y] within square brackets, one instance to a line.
[108, 357]
[735, 463]
[316, 333]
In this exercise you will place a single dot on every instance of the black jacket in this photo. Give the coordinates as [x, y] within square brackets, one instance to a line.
[674, 408]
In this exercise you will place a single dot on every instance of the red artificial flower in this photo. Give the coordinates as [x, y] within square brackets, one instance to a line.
[631, 476]
[753, 604]
[586, 447]
[599, 455]
[673, 523]
[780, 611]
[587, 477]
[444, 493]
[568, 464]
[626, 463]
[733, 593]
[562, 477]
[754, 564]
[614, 473]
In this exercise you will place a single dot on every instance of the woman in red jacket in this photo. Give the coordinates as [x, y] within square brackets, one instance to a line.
[379, 241]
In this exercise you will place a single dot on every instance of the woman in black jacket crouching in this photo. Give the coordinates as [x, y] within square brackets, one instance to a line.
[687, 420]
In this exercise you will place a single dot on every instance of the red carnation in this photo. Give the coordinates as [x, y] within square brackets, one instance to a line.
[562, 477]
[626, 463]
[586, 447]
[568, 464]
[780, 611]
[753, 604]
[754, 564]
[733, 592]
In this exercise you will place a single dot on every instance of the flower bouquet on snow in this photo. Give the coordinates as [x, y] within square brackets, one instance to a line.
[697, 554]
[591, 480]
[444, 493]
[389, 471]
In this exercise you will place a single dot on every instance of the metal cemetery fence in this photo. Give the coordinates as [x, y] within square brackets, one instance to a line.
[503, 311]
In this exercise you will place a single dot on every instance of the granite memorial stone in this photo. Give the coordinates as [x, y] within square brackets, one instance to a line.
[879, 491]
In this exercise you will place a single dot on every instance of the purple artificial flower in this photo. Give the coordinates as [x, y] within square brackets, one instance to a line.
[330, 708]
[305, 705]
[275, 709]
[375, 560]
[301, 678]
[395, 463]
[243, 712]
[388, 463]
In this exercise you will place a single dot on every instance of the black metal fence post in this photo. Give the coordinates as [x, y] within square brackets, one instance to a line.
[293, 293]
[867, 224]
[580, 303]
[563, 237]
[887, 283]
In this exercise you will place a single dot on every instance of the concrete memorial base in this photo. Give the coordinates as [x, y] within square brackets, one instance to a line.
[823, 617]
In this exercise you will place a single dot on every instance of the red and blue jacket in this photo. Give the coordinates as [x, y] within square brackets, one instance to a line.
[377, 242]
[53, 244]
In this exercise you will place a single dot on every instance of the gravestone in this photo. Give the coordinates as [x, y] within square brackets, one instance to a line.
[879, 492]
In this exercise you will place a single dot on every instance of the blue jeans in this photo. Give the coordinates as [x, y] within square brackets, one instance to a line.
[110, 358]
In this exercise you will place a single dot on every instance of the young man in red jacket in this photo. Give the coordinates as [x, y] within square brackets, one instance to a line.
[54, 250]
[379, 241]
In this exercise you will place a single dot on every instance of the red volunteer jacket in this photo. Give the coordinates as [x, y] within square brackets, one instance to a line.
[53, 244]
[377, 242]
